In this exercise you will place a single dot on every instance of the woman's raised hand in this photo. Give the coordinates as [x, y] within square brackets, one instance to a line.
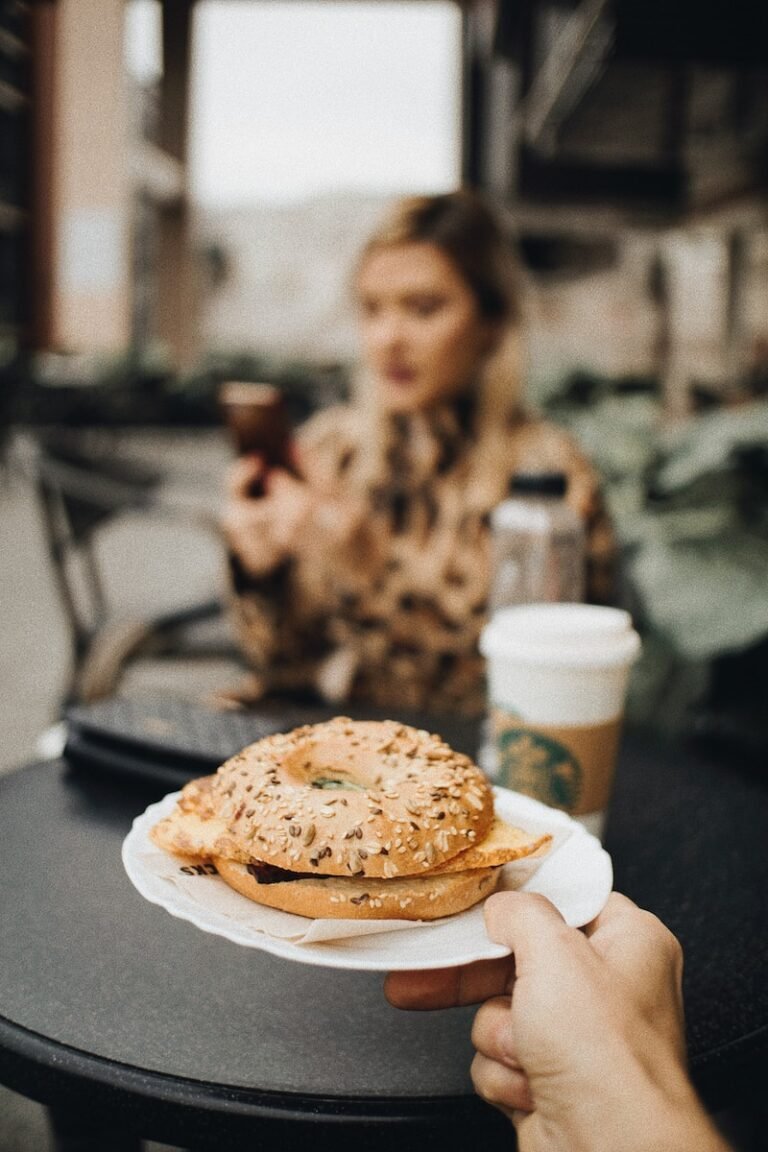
[265, 512]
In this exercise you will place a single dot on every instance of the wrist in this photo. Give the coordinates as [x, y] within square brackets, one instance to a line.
[663, 1115]
[685, 1128]
[255, 566]
[686, 1124]
[639, 1109]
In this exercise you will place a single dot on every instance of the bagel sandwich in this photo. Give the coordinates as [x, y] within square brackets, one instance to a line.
[349, 819]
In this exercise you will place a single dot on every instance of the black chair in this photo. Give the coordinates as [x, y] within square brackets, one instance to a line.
[81, 485]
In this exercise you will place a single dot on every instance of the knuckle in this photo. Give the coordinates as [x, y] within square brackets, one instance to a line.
[662, 936]
[662, 942]
[492, 1082]
[489, 1026]
[538, 903]
[674, 951]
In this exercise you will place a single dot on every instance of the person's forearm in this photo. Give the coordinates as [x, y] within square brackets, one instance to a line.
[671, 1127]
[626, 1104]
[641, 1115]
[677, 1120]
[687, 1132]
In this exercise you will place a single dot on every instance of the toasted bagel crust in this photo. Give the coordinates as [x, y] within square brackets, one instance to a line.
[503, 844]
[351, 798]
[336, 897]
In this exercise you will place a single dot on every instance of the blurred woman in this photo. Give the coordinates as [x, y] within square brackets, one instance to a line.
[367, 575]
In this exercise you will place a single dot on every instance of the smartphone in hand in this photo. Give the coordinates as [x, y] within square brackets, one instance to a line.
[257, 420]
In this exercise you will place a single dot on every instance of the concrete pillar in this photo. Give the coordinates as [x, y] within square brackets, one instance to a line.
[177, 299]
[696, 263]
[90, 185]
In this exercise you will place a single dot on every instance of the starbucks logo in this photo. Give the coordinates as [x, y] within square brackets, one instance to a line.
[539, 766]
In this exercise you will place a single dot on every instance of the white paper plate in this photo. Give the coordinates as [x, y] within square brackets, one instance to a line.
[576, 876]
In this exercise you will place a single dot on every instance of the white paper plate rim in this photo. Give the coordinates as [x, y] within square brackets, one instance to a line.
[577, 876]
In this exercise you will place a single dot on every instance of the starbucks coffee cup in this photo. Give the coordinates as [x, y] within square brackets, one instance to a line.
[557, 681]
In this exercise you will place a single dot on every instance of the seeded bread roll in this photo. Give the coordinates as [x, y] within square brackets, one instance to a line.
[336, 897]
[361, 820]
[352, 798]
[188, 832]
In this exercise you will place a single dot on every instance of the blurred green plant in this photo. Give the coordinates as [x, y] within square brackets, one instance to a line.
[140, 388]
[690, 507]
[305, 386]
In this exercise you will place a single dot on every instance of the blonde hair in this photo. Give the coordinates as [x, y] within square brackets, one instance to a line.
[463, 227]
[469, 233]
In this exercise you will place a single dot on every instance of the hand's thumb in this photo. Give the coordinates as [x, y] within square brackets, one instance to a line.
[527, 923]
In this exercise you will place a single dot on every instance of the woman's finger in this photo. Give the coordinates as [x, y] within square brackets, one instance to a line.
[280, 482]
[247, 528]
[242, 475]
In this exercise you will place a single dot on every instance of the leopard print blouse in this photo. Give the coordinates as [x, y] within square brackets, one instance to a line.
[386, 594]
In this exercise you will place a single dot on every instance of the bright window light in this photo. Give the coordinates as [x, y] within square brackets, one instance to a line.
[143, 40]
[297, 98]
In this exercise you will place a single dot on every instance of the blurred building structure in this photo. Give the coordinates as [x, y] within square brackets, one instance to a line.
[619, 134]
[593, 119]
[89, 196]
[15, 85]
[100, 169]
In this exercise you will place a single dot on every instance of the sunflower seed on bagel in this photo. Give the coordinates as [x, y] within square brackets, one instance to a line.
[354, 798]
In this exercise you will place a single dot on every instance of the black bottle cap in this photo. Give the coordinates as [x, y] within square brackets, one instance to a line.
[539, 483]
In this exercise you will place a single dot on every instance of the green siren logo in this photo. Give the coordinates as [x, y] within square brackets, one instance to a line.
[539, 766]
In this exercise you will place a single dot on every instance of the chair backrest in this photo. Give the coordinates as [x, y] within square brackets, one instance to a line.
[79, 490]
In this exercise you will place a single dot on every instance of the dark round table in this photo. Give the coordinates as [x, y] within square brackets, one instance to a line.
[122, 1019]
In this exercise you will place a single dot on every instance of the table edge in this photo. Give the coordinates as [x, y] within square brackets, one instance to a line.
[50, 1062]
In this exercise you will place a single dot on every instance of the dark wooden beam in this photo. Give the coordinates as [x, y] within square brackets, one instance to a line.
[571, 64]
[42, 240]
[174, 84]
[558, 182]
[473, 101]
[718, 32]
[176, 302]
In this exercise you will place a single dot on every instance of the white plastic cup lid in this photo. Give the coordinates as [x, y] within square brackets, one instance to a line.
[582, 635]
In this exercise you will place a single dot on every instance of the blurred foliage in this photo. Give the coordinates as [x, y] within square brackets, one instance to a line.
[305, 387]
[690, 508]
[142, 390]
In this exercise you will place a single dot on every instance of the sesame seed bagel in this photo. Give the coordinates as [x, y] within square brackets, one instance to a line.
[338, 897]
[352, 798]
